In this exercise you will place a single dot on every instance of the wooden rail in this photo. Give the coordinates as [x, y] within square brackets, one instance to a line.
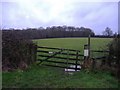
[58, 62]
[71, 54]
[102, 57]
[58, 57]
[99, 51]
[57, 48]
[61, 66]
[48, 57]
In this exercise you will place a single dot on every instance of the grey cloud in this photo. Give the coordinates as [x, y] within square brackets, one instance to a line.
[96, 15]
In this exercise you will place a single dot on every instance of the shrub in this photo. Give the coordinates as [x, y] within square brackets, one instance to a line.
[114, 55]
[16, 52]
[114, 49]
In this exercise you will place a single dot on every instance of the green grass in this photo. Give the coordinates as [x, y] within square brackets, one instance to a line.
[48, 77]
[44, 77]
[74, 43]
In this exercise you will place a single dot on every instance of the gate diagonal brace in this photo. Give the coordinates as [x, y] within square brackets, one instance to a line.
[51, 56]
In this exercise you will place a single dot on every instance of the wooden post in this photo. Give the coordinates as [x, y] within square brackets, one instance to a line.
[89, 46]
[35, 53]
[87, 49]
[76, 60]
[86, 53]
[93, 63]
[67, 57]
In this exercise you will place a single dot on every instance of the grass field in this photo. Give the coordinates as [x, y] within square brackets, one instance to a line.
[74, 43]
[49, 77]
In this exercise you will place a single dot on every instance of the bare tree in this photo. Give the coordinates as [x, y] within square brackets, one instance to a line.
[108, 32]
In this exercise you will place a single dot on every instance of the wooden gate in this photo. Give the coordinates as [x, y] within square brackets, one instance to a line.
[59, 57]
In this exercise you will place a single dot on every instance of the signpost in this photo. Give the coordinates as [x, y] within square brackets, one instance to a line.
[87, 48]
[87, 52]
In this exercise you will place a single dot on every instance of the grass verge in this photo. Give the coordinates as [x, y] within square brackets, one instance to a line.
[44, 77]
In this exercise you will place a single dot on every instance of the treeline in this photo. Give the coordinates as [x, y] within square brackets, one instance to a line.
[50, 32]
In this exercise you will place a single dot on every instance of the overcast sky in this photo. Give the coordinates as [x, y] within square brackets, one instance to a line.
[94, 14]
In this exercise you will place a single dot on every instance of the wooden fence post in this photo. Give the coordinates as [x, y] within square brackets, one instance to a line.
[93, 63]
[67, 58]
[89, 46]
[76, 61]
[35, 53]
[87, 52]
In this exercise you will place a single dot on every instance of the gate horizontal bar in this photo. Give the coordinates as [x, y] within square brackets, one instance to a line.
[48, 57]
[60, 53]
[57, 48]
[98, 51]
[58, 57]
[100, 57]
[59, 62]
[62, 67]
